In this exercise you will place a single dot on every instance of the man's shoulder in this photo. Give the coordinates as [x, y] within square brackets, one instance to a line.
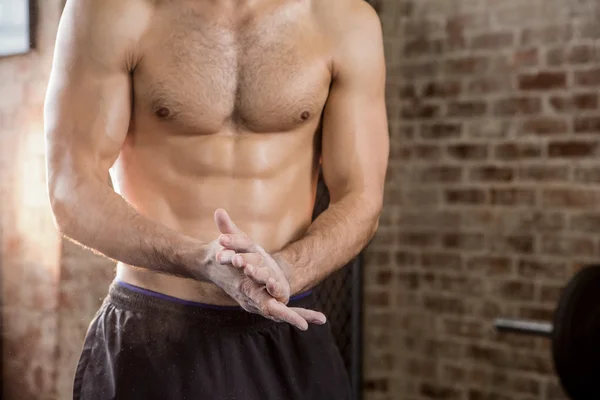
[346, 19]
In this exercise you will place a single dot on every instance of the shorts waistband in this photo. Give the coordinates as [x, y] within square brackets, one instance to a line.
[136, 299]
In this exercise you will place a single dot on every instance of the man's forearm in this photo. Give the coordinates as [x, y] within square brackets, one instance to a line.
[337, 236]
[93, 215]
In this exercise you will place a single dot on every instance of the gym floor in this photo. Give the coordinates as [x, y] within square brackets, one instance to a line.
[492, 203]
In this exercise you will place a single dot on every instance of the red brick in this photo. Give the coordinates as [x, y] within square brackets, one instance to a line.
[487, 354]
[419, 368]
[463, 241]
[567, 246]
[420, 111]
[453, 373]
[550, 294]
[470, 20]
[486, 85]
[589, 30]
[377, 299]
[384, 278]
[533, 362]
[466, 109]
[583, 101]
[512, 197]
[570, 198]
[556, 57]
[418, 239]
[378, 257]
[588, 77]
[469, 65]
[489, 128]
[491, 173]
[426, 151]
[572, 149]
[409, 280]
[465, 196]
[422, 46]
[545, 126]
[408, 91]
[432, 219]
[530, 221]
[585, 222]
[405, 258]
[492, 41]
[537, 313]
[441, 131]
[546, 35]
[443, 261]
[481, 394]
[380, 385]
[587, 174]
[489, 266]
[515, 290]
[442, 89]
[543, 81]
[543, 173]
[421, 69]
[587, 124]
[513, 106]
[581, 54]
[526, 57]
[442, 173]
[516, 244]
[463, 328]
[444, 305]
[438, 391]
[517, 151]
[426, 197]
[468, 151]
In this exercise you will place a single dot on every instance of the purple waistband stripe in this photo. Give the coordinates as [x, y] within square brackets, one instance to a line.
[172, 299]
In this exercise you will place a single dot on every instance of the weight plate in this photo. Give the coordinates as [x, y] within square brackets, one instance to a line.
[576, 336]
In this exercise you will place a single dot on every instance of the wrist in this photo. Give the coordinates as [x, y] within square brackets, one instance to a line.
[285, 259]
[198, 260]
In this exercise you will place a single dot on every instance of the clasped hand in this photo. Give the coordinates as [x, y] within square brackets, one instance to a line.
[247, 273]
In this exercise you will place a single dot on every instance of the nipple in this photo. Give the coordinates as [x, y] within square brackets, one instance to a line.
[163, 112]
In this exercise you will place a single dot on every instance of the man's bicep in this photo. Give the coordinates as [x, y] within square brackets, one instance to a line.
[355, 129]
[88, 102]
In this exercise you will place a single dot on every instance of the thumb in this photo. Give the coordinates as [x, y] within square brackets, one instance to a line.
[224, 222]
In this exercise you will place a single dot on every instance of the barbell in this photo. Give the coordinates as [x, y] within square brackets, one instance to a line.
[575, 334]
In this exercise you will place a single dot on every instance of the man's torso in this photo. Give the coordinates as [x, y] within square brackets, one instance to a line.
[227, 104]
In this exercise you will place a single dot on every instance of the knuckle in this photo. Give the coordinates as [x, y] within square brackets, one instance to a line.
[245, 287]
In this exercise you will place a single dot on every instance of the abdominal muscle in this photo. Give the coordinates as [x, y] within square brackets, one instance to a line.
[265, 182]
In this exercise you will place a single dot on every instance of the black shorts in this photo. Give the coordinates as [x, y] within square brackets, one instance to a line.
[149, 346]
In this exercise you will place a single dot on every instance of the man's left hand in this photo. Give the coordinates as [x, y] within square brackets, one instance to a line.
[240, 251]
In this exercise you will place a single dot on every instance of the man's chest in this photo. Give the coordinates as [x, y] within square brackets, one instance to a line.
[267, 70]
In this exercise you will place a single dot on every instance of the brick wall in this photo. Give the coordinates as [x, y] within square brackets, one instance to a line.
[493, 199]
[30, 247]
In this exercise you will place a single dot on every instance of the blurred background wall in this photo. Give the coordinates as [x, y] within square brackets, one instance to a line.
[491, 203]
[50, 288]
[493, 198]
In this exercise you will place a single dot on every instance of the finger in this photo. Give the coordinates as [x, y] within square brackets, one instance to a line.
[225, 223]
[280, 311]
[311, 316]
[258, 274]
[237, 242]
[278, 291]
[240, 260]
[225, 256]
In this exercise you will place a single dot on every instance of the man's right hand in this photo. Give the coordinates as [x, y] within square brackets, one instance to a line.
[251, 296]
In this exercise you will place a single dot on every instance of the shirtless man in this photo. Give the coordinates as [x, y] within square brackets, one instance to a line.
[213, 118]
